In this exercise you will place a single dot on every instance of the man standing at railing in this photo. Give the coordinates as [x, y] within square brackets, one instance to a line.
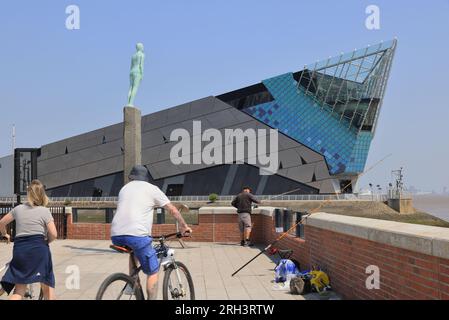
[243, 202]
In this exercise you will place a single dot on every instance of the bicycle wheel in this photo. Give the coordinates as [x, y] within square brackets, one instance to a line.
[34, 292]
[119, 286]
[178, 283]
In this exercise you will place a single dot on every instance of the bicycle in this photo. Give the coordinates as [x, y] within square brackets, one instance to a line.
[31, 288]
[115, 286]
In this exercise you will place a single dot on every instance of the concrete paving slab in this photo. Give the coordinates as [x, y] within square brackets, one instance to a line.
[211, 266]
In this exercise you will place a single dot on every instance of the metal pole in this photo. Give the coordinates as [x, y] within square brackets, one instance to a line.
[13, 157]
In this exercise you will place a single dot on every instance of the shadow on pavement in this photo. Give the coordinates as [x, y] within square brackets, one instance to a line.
[91, 249]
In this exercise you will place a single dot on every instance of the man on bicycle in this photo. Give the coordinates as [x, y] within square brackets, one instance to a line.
[133, 222]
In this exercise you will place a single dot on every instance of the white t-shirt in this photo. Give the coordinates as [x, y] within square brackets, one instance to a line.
[134, 215]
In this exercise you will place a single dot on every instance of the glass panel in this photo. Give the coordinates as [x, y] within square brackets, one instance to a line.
[359, 53]
[357, 62]
[331, 71]
[351, 77]
[190, 217]
[334, 60]
[339, 70]
[352, 71]
[90, 216]
[386, 45]
[374, 48]
[368, 63]
[347, 57]
[321, 64]
[362, 76]
[345, 84]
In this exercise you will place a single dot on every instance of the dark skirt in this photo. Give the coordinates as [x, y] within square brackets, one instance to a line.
[31, 263]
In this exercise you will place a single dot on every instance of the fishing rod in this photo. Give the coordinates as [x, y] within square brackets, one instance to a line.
[306, 216]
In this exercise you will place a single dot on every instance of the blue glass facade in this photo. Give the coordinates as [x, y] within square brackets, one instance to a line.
[332, 106]
[302, 118]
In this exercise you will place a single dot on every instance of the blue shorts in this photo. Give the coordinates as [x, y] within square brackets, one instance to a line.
[143, 251]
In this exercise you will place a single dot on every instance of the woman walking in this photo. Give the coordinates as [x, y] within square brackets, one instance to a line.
[35, 229]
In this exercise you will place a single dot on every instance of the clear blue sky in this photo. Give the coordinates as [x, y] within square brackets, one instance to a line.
[56, 83]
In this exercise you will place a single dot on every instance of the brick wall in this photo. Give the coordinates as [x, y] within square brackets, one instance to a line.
[210, 227]
[88, 231]
[404, 274]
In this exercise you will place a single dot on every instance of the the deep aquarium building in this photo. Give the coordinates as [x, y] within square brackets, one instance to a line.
[326, 115]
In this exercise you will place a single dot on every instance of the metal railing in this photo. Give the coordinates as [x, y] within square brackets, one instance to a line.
[10, 228]
[9, 200]
[83, 199]
[399, 194]
[60, 219]
[299, 197]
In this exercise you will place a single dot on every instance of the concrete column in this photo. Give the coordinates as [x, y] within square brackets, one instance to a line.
[132, 140]
[402, 205]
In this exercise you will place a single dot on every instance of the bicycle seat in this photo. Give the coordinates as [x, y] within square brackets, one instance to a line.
[120, 249]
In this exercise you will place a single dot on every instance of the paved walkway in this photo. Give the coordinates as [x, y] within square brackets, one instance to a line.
[211, 266]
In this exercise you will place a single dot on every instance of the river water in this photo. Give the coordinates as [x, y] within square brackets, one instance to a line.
[436, 205]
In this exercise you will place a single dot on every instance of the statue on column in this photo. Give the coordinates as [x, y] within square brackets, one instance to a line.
[136, 73]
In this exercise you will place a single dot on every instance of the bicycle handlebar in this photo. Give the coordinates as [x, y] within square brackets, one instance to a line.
[171, 235]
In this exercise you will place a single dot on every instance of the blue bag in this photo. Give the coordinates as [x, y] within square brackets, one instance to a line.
[285, 268]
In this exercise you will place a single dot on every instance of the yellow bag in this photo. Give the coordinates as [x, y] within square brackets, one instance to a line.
[319, 281]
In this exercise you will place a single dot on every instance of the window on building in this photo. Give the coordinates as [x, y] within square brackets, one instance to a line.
[174, 190]
[346, 186]
[247, 97]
